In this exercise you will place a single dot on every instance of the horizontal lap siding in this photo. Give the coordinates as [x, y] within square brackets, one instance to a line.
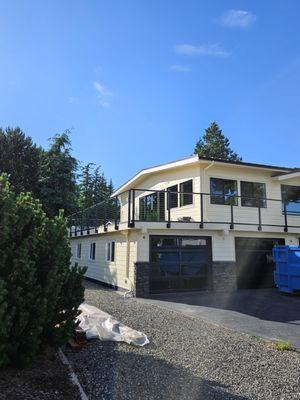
[114, 273]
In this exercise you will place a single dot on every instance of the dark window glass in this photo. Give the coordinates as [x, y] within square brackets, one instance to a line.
[186, 190]
[253, 194]
[165, 257]
[173, 196]
[193, 257]
[165, 243]
[291, 197]
[92, 251]
[78, 250]
[112, 252]
[223, 191]
[152, 207]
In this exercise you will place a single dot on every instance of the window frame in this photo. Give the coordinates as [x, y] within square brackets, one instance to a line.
[78, 253]
[263, 200]
[296, 213]
[111, 251]
[189, 194]
[223, 195]
[92, 255]
[174, 194]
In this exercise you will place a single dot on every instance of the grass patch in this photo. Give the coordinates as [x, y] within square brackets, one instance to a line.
[283, 346]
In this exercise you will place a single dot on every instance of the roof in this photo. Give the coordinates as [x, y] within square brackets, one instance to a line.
[193, 160]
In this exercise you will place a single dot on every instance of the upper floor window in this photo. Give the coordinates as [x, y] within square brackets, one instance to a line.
[223, 191]
[78, 250]
[110, 251]
[152, 207]
[92, 251]
[253, 194]
[173, 196]
[186, 193]
[291, 197]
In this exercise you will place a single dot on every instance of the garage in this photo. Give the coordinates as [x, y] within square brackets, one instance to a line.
[254, 262]
[180, 263]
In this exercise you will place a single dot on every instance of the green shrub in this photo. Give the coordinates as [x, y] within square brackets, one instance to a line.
[283, 346]
[39, 290]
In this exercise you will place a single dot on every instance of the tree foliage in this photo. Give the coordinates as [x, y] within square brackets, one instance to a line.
[20, 158]
[39, 291]
[58, 177]
[214, 144]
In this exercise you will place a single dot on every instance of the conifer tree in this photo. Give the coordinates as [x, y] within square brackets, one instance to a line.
[214, 144]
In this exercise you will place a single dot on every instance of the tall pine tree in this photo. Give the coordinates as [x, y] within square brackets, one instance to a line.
[214, 144]
[58, 183]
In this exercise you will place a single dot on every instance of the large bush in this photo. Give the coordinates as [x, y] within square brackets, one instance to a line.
[39, 290]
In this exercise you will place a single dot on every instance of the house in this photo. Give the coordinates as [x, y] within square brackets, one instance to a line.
[191, 224]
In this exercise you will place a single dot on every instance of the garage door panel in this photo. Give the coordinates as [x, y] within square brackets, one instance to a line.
[254, 262]
[180, 263]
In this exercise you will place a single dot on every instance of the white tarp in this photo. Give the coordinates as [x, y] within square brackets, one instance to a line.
[99, 324]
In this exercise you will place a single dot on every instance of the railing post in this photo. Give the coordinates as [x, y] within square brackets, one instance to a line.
[231, 214]
[129, 208]
[259, 217]
[133, 209]
[286, 228]
[169, 208]
[116, 214]
[105, 216]
[201, 210]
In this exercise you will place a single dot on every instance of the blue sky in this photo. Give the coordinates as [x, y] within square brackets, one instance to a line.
[139, 81]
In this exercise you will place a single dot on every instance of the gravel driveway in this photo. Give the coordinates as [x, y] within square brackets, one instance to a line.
[186, 358]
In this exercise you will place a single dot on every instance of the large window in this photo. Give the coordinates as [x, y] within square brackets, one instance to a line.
[291, 197]
[223, 191]
[186, 190]
[173, 196]
[253, 194]
[92, 251]
[152, 207]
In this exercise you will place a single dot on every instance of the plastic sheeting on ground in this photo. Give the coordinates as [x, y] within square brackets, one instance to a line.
[99, 324]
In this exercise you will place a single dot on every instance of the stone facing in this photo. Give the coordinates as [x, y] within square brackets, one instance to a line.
[142, 279]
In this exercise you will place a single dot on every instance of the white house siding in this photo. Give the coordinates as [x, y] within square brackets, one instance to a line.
[119, 272]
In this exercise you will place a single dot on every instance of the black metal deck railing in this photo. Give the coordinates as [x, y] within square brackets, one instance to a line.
[204, 209]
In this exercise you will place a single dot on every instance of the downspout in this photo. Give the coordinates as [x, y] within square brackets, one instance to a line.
[130, 291]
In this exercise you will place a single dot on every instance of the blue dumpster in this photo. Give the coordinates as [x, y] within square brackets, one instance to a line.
[287, 272]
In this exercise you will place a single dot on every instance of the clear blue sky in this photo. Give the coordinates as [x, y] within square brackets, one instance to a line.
[139, 81]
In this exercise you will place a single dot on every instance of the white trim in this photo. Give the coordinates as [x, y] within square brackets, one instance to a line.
[287, 176]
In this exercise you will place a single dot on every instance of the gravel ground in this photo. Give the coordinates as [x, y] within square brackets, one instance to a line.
[186, 358]
[46, 379]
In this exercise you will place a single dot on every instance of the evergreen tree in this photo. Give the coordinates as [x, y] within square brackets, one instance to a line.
[58, 182]
[86, 187]
[214, 144]
[39, 291]
[20, 158]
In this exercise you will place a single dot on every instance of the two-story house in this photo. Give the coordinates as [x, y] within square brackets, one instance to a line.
[192, 224]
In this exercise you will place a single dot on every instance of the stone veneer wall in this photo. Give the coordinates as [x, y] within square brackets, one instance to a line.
[141, 279]
[223, 273]
[224, 276]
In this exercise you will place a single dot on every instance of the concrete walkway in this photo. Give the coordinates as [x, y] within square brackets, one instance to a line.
[263, 313]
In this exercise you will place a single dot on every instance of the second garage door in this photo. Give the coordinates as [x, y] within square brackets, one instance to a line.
[180, 263]
[254, 262]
